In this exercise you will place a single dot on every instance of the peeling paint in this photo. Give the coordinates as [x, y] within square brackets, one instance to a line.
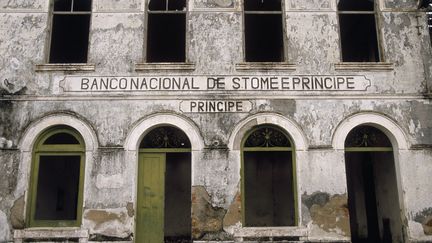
[206, 219]
[333, 216]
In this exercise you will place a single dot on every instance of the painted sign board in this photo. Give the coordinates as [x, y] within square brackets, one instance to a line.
[314, 83]
[215, 106]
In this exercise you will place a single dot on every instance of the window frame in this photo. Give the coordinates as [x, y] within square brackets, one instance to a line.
[290, 149]
[50, 30]
[147, 11]
[376, 12]
[41, 149]
[282, 12]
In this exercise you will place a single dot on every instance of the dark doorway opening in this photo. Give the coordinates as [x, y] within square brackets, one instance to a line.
[164, 183]
[373, 200]
[269, 196]
[178, 197]
[268, 179]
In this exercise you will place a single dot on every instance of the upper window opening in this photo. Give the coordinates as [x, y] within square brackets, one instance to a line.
[263, 23]
[61, 138]
[358, 31]
[367, 136]
[356, 5]
[70, 31]
[267, 137]
[263, 5]
[165, 137]
[155, 5]
[166, 32]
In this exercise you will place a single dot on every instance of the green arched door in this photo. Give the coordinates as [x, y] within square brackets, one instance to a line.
[164, 187]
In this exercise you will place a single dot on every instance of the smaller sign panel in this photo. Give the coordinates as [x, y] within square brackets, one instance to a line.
[215, 106]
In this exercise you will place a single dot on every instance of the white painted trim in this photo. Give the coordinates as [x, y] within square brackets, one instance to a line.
[390, 128]
[290, 127]
[35, 130]
[147, 124]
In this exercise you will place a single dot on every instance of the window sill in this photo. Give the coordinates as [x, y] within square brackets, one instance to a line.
[280, 231]
[364, 66]
[74, 67]
[181, 66]
[50, 233]
[265, 66]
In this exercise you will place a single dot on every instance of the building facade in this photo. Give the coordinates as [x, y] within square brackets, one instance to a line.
[224, 120]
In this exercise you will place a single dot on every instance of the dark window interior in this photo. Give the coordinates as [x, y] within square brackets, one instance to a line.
[262, 5]
[61, 138]
[69, 40]
[269, 193]
[82, 5]
[66, 5]
[70, 31]
[166, 38]
[62, 5]
[356, 5]
[167, 5]
[358, 33]
[176, 4]
[358, 38]
[177, 215]
[263, 31]
[157, 5]
[57, 188]
[263, 38]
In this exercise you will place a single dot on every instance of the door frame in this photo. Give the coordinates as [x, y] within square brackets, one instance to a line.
[163, 151]
[268, 149]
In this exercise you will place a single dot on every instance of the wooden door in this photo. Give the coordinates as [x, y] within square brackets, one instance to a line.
[150, 204]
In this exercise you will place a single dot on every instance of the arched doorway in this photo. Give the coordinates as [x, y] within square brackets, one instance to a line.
[268, 178]
[373, 200]
[57, 179]
[164, 187]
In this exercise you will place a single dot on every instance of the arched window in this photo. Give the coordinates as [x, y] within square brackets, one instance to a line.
[57, 175]
[70, 31]
[263, 31]
[166, 31]
[268, 181]
[164, 187]
[358, 31]
[373, 200]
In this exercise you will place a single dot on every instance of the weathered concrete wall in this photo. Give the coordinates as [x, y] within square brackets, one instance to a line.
[215, 38]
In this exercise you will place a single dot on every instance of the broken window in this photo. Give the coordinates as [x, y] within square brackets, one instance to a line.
[263, 33]
[56, 184]
[358, 31]
[166, 31]
[70, 31]
[373, 199]
[268, 179]
[164, 182]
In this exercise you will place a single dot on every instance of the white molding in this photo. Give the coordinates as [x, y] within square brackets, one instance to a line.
[390, 128]
[35, 129]
[30, 136]
[290, 127]
[147, 124]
